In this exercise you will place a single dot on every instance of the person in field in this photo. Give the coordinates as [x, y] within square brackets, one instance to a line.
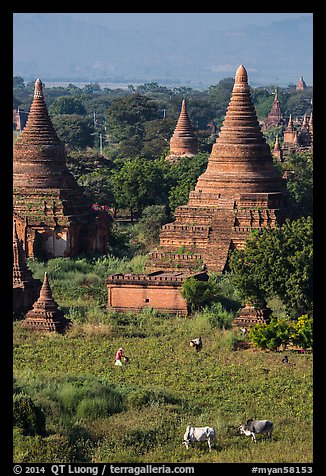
[120, 358]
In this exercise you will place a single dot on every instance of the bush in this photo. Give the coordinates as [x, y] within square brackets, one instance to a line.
[303, 332]
[271, 336]
[197, 293]
[27, 416]
[35, 449]
[218, 316]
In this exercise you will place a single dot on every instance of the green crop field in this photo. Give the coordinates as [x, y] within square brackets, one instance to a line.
[96, 412]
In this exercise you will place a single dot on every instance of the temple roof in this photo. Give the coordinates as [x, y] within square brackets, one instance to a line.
[39, 128]
[46, 314]
[183, 140]
[240, 160]
[39, 155]
[183, 127]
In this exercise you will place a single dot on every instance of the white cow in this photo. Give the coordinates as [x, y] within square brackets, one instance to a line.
[193, 434]
[253, 427]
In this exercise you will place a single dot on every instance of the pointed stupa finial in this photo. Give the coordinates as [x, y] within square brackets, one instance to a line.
[46, 292]
[38, 90]
[277, 143]
[241, 75]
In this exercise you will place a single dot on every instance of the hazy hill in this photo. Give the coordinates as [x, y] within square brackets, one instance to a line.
[59, 47]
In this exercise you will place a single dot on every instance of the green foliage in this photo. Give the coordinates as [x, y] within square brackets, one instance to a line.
[67, 105]
[197, 293]
[282, 332]
[146, 232]
[277, 262]
[75, 131]
[218, 316]
[36, 449]
[182, 178]
[303, 331]
[271, 336]
[138, 183]
[299, 168]
[87, 161]
[27, 416]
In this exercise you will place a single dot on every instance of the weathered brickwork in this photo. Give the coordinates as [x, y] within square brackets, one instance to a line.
[298, 135]
[249, 316]
[26, 289]
[184, 142]
[275, 116]
[159, 290]
[240, 191]
[53, 216]
[45, 314]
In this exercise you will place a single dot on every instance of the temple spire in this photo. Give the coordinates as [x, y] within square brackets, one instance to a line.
[46, 314]
[240, 150]
[183, 142]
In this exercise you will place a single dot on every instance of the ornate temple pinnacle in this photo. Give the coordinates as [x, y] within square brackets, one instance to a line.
[38, 90]
[241, 75]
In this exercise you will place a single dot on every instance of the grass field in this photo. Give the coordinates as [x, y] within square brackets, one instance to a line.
[164, 386]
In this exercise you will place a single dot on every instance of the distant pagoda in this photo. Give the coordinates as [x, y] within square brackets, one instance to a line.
[240, 191]
[183, 142]
[45, 315]
[275, 116]
[26, 289]
[52, 214]
[301, 85]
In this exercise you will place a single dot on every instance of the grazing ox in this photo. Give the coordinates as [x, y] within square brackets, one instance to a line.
[257, 427]
[192, 435]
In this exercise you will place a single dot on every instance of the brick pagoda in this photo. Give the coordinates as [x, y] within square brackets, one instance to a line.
[26, 289]
[275, 116]
[240, 191]
[301, 85]
[298, 137]
[45, 315]
[249, 316]
[183, 142]
[53, 216]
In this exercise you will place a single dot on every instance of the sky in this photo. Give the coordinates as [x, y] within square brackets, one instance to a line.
[182, 21]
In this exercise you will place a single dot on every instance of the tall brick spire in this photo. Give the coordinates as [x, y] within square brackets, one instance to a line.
[275, 116]
[183, 141]
[240, 190]
[240, 160]
[21, 273]
[45, 314]
[25, 288]
[54, 215]
[39, 155]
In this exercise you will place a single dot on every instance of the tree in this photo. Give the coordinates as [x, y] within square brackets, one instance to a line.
[18, 82]
[75, 131]
[197, 293]
[138, 183]
[303, 331]
[67, 105]
[182, 178]
[125, 120]
[277, 262]
[299, 182]
[271, 336]
[147, 230]
[27, 416]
